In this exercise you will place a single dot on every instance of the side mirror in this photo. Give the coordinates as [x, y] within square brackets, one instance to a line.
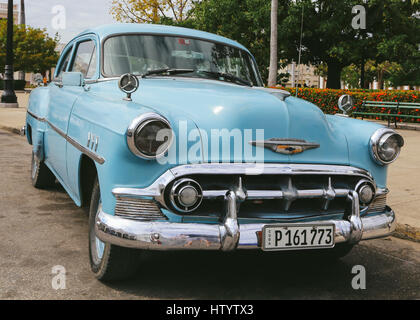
[74, 79]
[346, 103]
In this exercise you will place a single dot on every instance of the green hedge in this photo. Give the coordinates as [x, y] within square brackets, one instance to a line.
[327, 99]
[19, 84]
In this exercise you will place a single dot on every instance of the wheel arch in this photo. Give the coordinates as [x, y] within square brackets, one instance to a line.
[29, 133]
[87, 174]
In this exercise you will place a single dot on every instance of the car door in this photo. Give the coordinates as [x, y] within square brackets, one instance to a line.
[62, 98]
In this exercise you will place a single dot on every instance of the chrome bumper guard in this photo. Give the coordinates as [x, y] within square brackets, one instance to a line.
[230, 235]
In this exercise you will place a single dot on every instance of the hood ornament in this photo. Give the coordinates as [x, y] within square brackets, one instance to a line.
[128, 84]
[286, 146]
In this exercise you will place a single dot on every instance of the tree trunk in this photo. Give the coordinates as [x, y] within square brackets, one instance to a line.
[21, 74]
[334, 75]
[272, 76]
[22, 12]
[380, 79]
[362, 74]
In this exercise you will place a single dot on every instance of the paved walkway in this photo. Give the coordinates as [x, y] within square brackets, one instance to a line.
[404, 174]
[400, 125]
[404, 185]
[14, 119]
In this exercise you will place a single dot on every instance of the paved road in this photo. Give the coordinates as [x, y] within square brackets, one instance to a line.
[42, 229]
[404, 177]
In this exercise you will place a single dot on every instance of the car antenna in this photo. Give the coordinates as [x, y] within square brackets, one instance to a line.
[300, 50]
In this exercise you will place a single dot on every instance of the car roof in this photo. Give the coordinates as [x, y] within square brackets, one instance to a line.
[105, 31]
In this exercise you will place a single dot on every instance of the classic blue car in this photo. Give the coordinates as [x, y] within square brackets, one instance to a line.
[170, 140]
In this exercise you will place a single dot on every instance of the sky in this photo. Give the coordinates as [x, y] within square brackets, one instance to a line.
[79, 15]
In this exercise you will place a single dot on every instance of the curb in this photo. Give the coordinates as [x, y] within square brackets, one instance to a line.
[406, 232]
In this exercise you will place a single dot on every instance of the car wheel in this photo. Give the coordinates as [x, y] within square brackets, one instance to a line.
[41, 176]
[108, 262]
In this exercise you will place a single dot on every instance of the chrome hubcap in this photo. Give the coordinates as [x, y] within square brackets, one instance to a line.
[34, 166]
[99, 246]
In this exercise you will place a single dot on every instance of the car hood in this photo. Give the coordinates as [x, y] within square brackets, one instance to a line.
[241, 111]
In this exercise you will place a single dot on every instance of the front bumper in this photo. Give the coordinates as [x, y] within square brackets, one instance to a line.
[229, 235]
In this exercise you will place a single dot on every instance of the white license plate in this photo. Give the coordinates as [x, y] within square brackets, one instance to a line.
[293, 237]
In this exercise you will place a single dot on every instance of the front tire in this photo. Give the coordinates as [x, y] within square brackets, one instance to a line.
[108, 262]
[41, 176]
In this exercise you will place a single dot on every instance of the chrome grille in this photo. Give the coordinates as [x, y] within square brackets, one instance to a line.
[138, 209]
[292, 195]
[378, 205]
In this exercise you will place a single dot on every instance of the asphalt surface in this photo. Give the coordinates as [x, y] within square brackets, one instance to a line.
[41, 229]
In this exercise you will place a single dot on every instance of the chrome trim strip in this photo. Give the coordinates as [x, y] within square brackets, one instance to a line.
[268, 168]
[70, 140]
[36, 117]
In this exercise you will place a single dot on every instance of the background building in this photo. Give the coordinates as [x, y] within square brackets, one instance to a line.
[302, 75]
[3, 12]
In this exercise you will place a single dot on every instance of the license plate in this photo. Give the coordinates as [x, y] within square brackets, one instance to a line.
[294, 237]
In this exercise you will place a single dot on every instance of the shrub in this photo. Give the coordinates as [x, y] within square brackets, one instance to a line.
[327, 99]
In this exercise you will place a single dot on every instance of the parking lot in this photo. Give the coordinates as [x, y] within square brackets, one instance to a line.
[42, 229]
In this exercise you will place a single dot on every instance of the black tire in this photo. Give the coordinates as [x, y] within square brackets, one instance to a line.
[115, 263]
[41, 176]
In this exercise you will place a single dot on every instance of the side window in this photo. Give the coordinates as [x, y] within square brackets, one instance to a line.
[85, 60]
[64, 63]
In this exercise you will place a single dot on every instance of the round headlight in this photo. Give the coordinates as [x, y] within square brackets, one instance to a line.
[149, 136]
[386, 146]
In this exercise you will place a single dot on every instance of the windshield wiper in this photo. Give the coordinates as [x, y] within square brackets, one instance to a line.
[166, 71]
[228, 76]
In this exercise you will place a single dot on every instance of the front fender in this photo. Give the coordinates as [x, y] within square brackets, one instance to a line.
[38, 107]
[358, 134]
[106, 121]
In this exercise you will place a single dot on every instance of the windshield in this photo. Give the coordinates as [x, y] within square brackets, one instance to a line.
[139, 54]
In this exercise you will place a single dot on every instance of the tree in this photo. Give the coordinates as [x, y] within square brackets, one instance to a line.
[408, 74]
[151, 11]
[381, 72]
[327, 34]
[272, 76]
[34, 50]
[391, 33]
[246, 21]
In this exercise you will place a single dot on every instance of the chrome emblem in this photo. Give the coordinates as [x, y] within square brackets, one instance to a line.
[286, 146]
